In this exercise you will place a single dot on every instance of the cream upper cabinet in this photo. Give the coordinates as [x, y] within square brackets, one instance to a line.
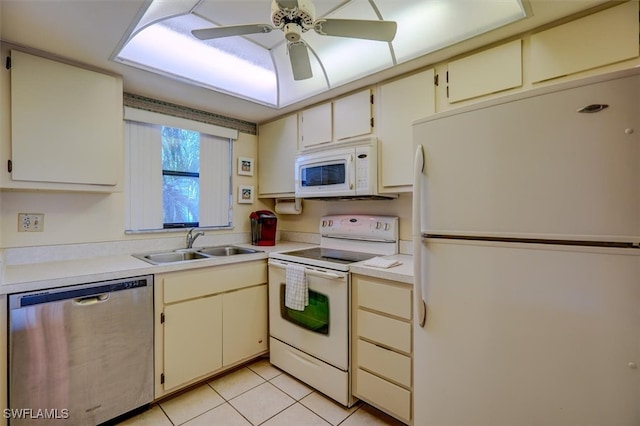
[399, 103]
[208, 320]
[352, 116]
[337, 121]
[576, 46]
[490, 71]
[277, 147]
[66, 126]
[315, 126]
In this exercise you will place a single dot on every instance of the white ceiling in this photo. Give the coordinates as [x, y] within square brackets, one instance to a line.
[89, 31]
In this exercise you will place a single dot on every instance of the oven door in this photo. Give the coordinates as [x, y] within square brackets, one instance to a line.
[326, 174]
[322, 329]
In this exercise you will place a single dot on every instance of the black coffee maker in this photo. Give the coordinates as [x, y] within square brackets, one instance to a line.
[263, 228]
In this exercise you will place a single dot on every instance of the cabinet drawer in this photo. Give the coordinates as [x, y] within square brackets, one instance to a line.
[384, 362]
[386, 331]
[217, 279]
[385, 298]
[394, 399]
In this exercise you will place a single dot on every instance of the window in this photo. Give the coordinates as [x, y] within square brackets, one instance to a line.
[178, 173]
[180, 177]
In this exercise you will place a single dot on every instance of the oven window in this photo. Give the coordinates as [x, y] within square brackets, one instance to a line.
[315, 316]
[328, 174]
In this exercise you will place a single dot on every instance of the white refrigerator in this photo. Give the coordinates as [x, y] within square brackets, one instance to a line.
[526, 232]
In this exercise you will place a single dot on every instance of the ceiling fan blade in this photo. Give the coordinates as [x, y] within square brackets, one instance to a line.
[300, 64]
[231, 30]
[356, 28]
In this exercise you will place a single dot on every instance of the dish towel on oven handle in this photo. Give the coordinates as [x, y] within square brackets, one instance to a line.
[296, 288]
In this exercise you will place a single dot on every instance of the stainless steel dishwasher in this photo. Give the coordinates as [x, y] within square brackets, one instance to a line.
[81, 355]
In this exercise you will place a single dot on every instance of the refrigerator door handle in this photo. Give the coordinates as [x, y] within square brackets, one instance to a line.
[418, 169]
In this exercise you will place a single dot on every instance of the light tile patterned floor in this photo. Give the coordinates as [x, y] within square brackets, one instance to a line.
[258, 394]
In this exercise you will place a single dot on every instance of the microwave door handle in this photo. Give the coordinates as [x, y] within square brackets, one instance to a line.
[351, 168]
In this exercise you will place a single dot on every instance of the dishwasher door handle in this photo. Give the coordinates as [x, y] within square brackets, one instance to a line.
[91, 300]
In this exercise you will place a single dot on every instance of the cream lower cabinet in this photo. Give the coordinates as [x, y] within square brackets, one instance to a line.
[382, 354]
[192, 339]
[245, 325]
[208, 320]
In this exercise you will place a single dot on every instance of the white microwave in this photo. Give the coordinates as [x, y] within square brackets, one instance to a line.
[339, 172]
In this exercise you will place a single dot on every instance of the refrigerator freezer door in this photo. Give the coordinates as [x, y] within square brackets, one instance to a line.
[525, 335]
[536, 165]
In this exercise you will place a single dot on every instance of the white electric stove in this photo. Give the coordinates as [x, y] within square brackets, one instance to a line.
[313, 345]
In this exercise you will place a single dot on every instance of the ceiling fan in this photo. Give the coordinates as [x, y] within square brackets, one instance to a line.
[295, 17]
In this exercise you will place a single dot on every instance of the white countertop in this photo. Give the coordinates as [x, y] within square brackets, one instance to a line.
[402, 273]
[37, 276]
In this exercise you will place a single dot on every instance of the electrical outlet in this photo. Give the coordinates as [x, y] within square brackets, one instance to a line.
[30, 222]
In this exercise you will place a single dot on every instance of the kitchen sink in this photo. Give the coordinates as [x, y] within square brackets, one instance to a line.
[184, 255]
[172, 256]
[226, 251]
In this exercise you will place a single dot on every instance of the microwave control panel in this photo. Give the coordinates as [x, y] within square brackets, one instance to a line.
[366, 167]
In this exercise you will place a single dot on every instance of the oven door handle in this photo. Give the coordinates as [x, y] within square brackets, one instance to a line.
[314, 272]
[321, 274]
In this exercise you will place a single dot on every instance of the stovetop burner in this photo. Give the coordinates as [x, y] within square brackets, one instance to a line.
[331, 255]
[346, 239]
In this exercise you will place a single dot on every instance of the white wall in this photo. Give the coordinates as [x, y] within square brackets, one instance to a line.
[312, 211]
[86, 217]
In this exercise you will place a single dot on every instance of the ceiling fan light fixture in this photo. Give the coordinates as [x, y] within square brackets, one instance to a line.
[292, 32]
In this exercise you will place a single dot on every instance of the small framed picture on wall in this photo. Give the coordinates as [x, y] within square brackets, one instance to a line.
[245, 166]
[245, 194]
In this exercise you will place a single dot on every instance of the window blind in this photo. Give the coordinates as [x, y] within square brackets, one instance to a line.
[143, 145]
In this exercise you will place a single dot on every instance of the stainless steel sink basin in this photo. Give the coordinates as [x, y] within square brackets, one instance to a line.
[172, 256]
[184, 255]
[226, 251]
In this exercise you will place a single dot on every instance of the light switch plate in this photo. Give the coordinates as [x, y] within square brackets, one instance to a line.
[30, 222]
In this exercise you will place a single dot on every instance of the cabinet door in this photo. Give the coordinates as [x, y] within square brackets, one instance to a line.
[192, 340]
[245, 324]
[352, 115]
[399, 103]
[593, 41]
[66, 123]
[315, 126]
[489, 71]
[277, 147]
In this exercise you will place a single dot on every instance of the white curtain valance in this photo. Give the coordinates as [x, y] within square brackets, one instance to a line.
[143, 116]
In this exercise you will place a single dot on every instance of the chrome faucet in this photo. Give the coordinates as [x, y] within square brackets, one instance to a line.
[191, 238]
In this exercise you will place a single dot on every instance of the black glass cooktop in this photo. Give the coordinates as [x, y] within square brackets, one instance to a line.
[331, 255]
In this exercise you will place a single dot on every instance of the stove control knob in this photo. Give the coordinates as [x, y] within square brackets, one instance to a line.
[330, 223]
[378, 225]
[387, 226]
[324, 223]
